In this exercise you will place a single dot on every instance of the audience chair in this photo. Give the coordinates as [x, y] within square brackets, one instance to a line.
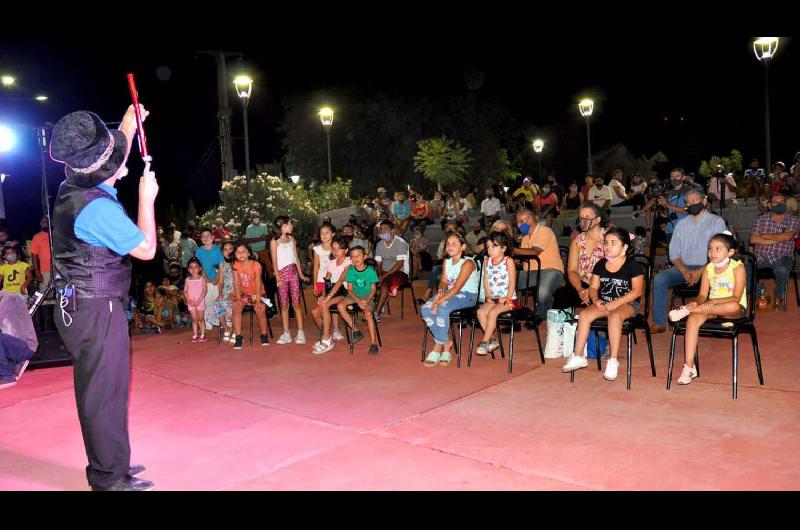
[721, 328]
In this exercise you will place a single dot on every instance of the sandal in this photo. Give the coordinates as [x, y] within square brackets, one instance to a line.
[432, 359]
[445, 358]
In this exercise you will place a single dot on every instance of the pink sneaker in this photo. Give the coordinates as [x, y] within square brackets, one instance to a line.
[202, 339]
[194, 338]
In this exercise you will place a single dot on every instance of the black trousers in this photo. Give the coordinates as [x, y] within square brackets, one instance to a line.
[100, 347]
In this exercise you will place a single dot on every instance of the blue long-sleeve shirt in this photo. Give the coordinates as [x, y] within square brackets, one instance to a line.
[689, 242]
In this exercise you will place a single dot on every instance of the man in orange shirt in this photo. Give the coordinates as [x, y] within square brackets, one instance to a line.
[40, 252]
[539, 240]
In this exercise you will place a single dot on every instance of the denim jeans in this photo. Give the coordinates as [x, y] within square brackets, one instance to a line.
[439, 323]
[551, 280]
[662, 283]
[781, 270]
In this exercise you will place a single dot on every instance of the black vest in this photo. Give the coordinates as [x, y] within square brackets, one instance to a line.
[96, 272]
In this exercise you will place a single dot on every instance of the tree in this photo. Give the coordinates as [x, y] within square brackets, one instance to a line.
[442, 160]
[191, 213]
[731, 164]
[507, 171]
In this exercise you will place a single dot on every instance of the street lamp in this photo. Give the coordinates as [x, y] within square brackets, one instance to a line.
[295, 179]
[41, 97]
[8, 80]
[244, 87]
[586, 106]
[538, 147]
[765, 48]
[326, 117]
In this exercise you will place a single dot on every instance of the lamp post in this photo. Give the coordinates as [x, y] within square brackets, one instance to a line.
[326, 117]
[538, 147]
[244, 87]
[586, 106]
[765, 48]
[7, 80]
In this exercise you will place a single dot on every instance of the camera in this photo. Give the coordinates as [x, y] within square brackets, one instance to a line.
[719, 172]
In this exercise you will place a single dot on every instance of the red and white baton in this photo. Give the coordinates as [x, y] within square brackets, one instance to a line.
[139, 127]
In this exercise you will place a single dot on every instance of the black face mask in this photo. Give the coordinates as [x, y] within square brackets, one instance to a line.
[779, 208]
[695, 209]
[676, 182]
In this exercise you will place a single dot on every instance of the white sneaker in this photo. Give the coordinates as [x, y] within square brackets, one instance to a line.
[576, 362]
[679, 314]
[337, 336]
[687, 375]
[300, 338]
[231, 339]
[285, 338]
[612, 367]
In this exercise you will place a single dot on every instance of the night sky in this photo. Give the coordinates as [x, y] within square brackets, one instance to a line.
[642, 87]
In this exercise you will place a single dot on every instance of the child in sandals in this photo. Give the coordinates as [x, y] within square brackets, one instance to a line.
[499, 281]
[458, 290]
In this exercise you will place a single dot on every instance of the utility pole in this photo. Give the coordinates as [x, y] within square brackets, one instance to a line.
[224, 113]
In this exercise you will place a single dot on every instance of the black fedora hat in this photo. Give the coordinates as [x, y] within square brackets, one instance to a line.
[90, 151]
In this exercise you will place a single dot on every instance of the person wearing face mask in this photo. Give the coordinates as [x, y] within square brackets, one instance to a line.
[600, 194]
[687, 252]
[585, 250]
[675, 200]
[392, 256]
[774, 235]
[546, 204]
[490, 206]
[15, 274]
[539, 240]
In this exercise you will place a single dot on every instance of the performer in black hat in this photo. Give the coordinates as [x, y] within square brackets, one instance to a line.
[92, 240]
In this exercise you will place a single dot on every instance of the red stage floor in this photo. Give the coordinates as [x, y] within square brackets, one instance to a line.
[208, 417]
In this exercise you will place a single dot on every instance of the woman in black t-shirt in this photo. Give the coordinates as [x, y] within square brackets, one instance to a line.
[617, 284]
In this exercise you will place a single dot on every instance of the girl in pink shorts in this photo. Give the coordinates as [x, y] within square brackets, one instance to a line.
[194, 292]
[288, 273]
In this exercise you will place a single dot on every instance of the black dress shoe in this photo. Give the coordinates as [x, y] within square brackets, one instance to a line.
[128, 483]
[135, 470]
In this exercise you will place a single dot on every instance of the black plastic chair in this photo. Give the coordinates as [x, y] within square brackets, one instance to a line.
[353, 310]
[409, 284]
[629, 326]
[462, 317]
[248, 308]
[767, 274]
[721, 328]
[524, 313]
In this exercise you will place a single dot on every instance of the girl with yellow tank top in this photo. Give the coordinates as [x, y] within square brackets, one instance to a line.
[722, 295]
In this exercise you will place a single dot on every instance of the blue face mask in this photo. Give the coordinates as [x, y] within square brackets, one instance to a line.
[524, 228]
[386, 236]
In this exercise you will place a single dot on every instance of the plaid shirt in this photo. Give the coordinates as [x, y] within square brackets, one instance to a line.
[766, 225]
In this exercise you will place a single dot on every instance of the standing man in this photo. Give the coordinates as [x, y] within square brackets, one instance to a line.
[773, 236]
[40, 253]
[92, 241]
[688, 252]
[256, 236]
[392, 256]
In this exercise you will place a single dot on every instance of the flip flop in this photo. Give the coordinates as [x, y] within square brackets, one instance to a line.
[445, 358]
[432, 359]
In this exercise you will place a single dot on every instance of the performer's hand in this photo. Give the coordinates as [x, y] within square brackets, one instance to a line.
[130, 114]
[148, 185]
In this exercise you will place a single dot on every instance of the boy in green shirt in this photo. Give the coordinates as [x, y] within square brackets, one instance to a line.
[361, 286]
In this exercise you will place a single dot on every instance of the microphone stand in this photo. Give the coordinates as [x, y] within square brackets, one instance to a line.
[41, 136]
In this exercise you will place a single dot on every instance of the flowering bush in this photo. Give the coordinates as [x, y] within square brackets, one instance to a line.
[272, 196]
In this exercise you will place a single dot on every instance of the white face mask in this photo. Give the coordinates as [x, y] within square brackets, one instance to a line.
[256, 221]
